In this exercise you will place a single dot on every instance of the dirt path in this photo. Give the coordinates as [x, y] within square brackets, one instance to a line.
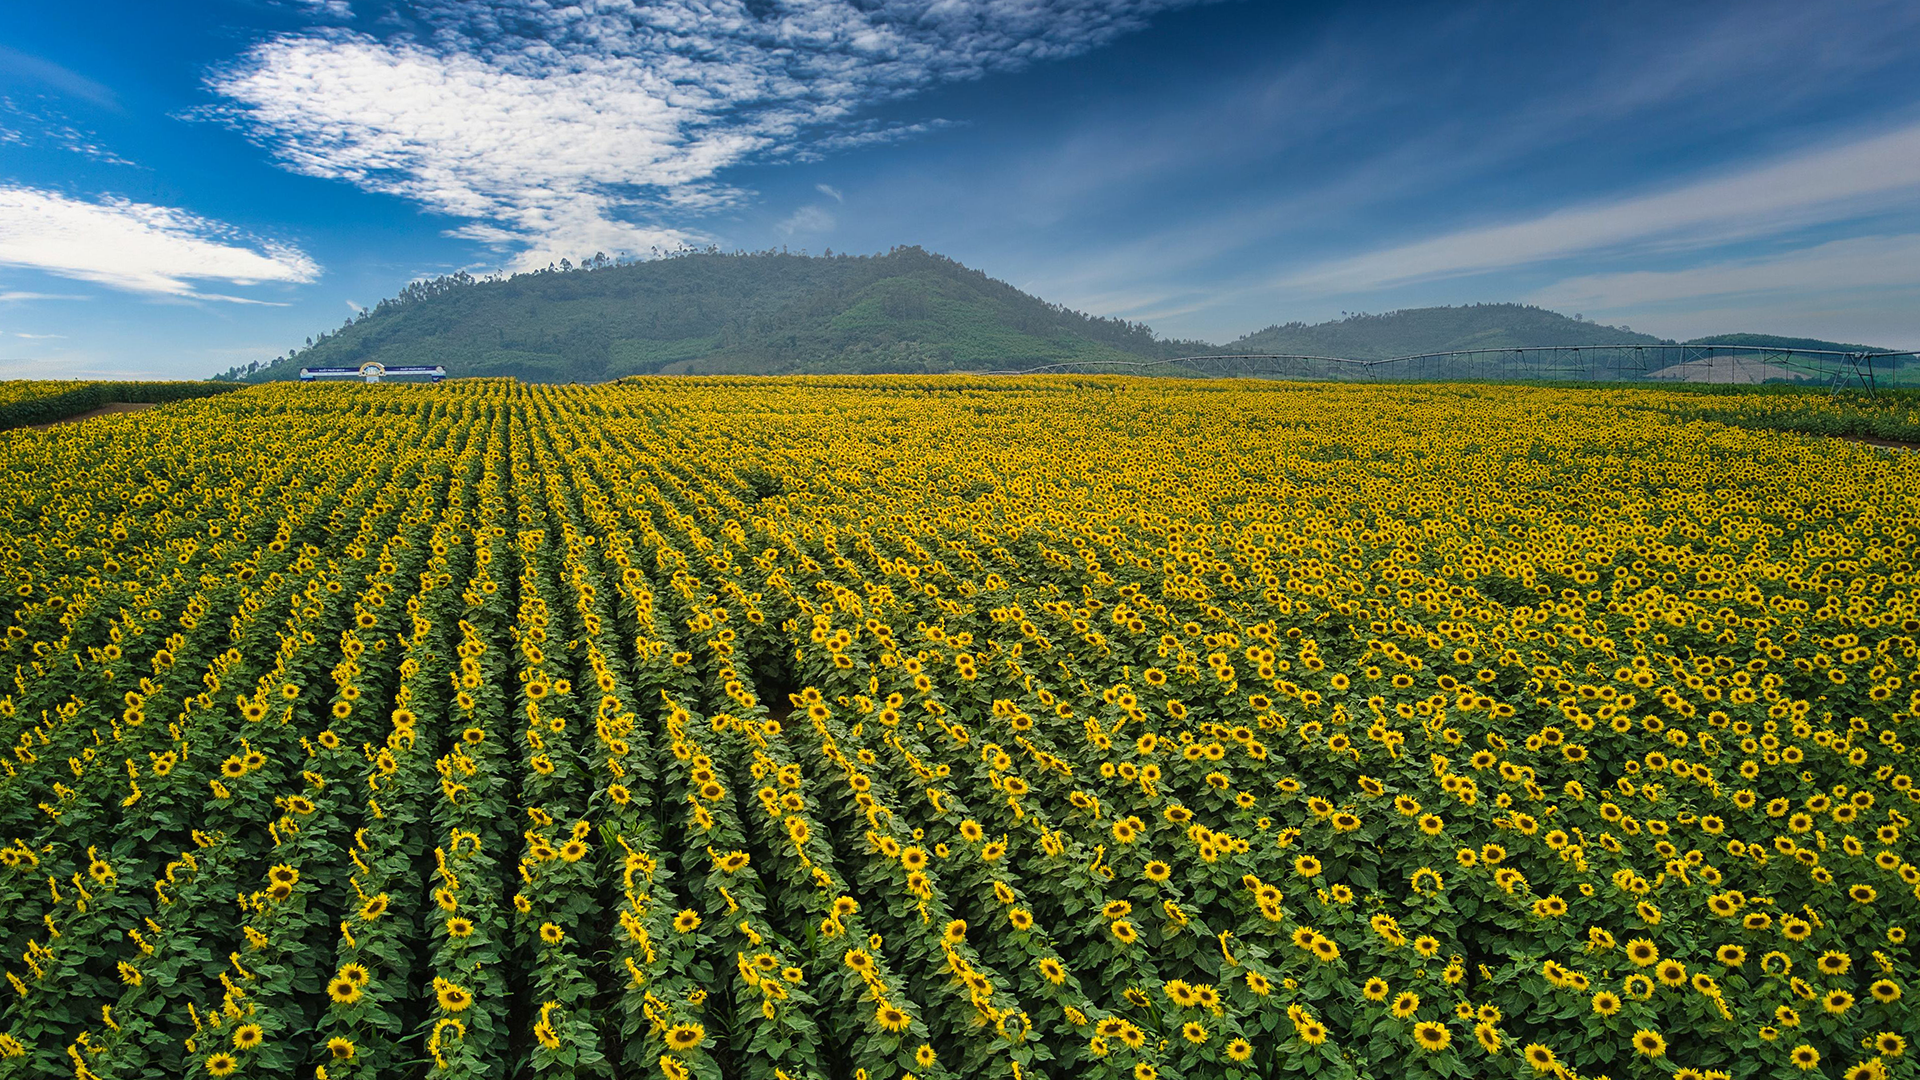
[109, 407]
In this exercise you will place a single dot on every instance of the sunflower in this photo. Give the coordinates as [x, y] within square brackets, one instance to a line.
[1731, 956]
[459, 927]
[1052, 970]
[1193, 1032]
[1124, 932]
[573, 851]
[1648, 1043]
[1804, 1057]
[453, 997]
[1885, 991]
[222, 1064]
[1306, 866]
[684, 1037]
[341, 1049]
[248, 1036]
[687, 921]
[1020, 918]
[1239, 1050]
[1431, 1037]
[1671, 972]
[1157, 871]
[1406, 1004]
[373, 907]
[1487, 1036]
[1313, 1033]
[1834, 963]
[342, 991]
[1375, 989]
[1643, 952]
[1606, 1003]
[891, 1018]
[1540, 1057]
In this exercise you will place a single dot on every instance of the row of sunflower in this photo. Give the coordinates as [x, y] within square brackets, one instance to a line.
[927, 727]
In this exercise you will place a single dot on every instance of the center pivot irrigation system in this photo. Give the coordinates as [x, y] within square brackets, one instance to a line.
[371, 371]
[1710, 364]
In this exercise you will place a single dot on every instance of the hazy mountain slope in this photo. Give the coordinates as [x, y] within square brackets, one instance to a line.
[1436, 329]
[1775, 341]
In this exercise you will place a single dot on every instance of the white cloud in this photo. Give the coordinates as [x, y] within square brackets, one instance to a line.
[137, 247]
[1814, 187]
[328, 9]
[48, 126]
[566, 128]
[831, 192]
[807, 219]
[17, 296]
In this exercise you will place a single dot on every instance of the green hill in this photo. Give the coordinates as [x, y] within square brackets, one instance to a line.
[1435, 329]
[907, 311]
[1775, 341]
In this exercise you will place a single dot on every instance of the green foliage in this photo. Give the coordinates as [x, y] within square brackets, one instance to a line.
[25, 402]
[1890, 414]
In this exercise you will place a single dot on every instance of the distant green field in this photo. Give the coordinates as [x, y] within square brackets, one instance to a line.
[40, 401]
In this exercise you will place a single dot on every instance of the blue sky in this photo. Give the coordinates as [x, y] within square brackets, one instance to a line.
[188, 187]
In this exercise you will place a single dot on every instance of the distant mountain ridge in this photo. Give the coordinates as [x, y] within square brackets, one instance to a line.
[1436, 329]
[1775, 341]
[907, 311]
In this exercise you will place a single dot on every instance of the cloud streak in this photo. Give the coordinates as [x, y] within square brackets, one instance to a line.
[1815, 187]
[137, 247]
[563, 129]
[1864, 263]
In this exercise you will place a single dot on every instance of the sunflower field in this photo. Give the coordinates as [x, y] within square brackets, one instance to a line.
[914, 727]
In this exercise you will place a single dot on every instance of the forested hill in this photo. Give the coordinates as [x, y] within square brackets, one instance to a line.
[907, 311]
[1775, 341]
[1435, 329]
